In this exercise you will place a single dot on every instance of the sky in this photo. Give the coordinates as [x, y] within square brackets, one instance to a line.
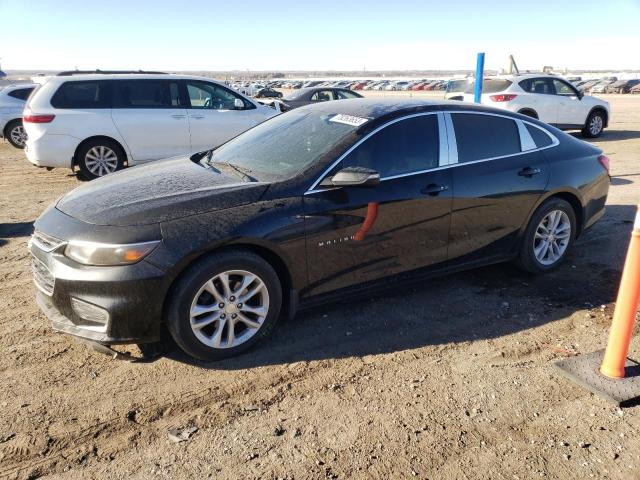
[318, 35]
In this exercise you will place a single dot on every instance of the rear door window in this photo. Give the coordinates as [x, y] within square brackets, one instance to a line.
[322, 96]
[82, 94]
[490, 85]
[537, 85]
[21, 93]
[480, 137]
[406, 146]
[148, 94]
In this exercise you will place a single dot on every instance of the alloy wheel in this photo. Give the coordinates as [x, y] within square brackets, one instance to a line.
[101, 160]
[18, 135]
[229, 309]
[595, 125]
[552, 237]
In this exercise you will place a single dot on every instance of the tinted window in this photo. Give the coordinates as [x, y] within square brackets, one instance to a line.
[490, 85]
[402, 147]
[211, 96]
[82, 94]
[484, 136]
[563, 89]
[147, 94]
[21, 93]
[322, 96]
[537, 85]
[344, 94]
[540, 138]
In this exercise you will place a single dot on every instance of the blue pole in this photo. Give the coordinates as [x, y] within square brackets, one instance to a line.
[479, 76]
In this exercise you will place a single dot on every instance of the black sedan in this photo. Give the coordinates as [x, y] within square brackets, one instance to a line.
[307, 96]
[306, 207]
[268, 93]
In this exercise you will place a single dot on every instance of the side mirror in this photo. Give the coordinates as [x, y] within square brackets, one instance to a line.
[580, 94]
[353, 177]
[238, 104]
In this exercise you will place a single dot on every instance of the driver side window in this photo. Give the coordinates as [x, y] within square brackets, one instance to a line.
[322, 96]
[209, 96]
[563, 89]
[407, 146]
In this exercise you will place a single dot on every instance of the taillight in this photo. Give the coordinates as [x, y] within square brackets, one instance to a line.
[503, 97]
[604, 161]
[35, 118]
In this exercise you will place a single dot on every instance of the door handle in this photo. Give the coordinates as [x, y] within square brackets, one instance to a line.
[197, 116]
[529, 172]
[176, 115]
[434, 189]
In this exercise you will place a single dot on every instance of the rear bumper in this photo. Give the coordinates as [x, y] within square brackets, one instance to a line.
[52, 150]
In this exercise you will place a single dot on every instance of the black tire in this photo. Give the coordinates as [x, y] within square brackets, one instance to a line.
[595, 118]
[178, 313]
[86, 171]
[13, 135]
[527, 259]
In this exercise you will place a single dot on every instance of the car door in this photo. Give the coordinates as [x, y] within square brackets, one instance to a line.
[571, 109]
[541, 98]
[215, 114]
[499, 176]
[358, 234]
[151, 117]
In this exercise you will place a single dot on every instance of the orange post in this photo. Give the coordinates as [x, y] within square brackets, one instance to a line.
[626, 307]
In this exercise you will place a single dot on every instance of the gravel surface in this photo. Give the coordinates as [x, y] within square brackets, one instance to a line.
[449, 379]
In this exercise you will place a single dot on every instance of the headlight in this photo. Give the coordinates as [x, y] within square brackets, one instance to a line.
[91, 253]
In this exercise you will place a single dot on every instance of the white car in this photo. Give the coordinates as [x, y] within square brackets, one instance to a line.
[103, 122]
[548, 98]
[12, 101]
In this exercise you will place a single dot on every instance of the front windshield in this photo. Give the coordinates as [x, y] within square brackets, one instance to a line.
[284, 145]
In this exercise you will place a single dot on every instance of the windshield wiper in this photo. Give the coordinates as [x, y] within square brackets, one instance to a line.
[244, 172]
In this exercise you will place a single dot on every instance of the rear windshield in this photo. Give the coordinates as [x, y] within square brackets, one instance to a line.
[284, 145]
[490, 85]
[21, 93]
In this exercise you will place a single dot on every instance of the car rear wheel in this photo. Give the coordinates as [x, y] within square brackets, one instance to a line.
[594, 126]
[99, 157]
[548, 237]
[224, 304]
[16, 134]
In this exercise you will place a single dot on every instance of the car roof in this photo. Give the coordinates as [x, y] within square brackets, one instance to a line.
[376, 108]
[128, 76]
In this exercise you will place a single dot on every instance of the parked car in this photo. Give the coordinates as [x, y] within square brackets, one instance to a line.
[268, 93]
[622, 86]
[635, 89]
[455, 89]
[12, 101]
[546, 97]
[102, 123]
[601, 87]
[586, 86]
[305, 96]
[217, 246]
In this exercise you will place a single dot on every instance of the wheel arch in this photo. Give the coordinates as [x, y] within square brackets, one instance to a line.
[529, 112]
[598, 108]
[98, 137]
[267, 252]
[572, 197]
[5, 129]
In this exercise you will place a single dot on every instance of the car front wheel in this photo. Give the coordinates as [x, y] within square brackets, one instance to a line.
[224, 304]
[594, 126]
[548, 237]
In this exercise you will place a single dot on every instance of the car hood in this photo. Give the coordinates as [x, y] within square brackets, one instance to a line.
[158, 192]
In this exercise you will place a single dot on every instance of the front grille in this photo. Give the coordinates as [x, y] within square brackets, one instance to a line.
[45, 242]
[42, 276]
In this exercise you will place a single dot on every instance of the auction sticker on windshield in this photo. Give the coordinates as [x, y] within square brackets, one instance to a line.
[349, 120]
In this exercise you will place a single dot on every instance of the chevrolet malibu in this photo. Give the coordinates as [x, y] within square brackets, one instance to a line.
[305, 207]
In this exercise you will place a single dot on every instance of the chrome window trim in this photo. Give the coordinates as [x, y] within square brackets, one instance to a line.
[443, 157]
[451, 146]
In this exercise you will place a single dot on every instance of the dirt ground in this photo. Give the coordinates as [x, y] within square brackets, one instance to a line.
[452, 379]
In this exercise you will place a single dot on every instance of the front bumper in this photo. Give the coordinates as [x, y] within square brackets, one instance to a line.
[130, 296]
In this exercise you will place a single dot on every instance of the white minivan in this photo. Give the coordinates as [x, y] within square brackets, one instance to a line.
[103, 122]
